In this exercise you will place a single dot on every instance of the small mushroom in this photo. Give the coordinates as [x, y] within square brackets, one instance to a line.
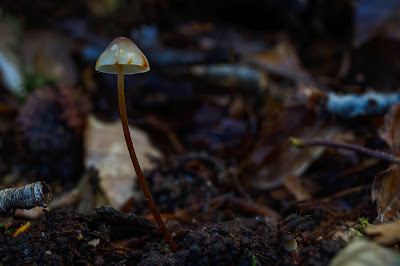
[123, 57]
[289, 243]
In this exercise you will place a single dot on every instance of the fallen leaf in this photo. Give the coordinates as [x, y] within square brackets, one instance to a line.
[391, 130]
[385, 192]
[345, 233]
[274, 158]
[362, 251]
[105, 150]
[385, 234]
[282, 60]
[386, 187]
[302, 189]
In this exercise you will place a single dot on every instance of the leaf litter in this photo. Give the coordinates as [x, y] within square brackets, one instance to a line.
[215, 115]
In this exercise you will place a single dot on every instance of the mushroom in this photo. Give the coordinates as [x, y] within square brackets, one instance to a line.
[122, 57]
[290, 244]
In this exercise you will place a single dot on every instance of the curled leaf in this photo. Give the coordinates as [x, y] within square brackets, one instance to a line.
[386, 187]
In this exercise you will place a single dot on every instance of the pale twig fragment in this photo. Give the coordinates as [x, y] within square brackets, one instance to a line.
[26, 197]
[368, 103]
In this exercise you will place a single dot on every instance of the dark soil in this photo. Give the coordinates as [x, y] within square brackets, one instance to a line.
[221, 109]
[110, 237]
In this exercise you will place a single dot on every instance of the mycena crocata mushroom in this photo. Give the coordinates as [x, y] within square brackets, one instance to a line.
[123, 57]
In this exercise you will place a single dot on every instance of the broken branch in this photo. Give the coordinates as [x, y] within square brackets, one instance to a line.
[26, 197]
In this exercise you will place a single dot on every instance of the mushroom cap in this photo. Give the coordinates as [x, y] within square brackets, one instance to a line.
[289, 243]
[122, 51]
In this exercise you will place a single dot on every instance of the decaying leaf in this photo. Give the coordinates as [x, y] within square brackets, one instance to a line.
[386, 187]
[362, 251]
[274, 158]
[282, 60]
[391, 129]
[386, 192]
[105, 149]
[302, 189]
[386, 234]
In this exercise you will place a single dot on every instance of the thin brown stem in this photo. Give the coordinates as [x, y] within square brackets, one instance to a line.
[140, 177]
[298, 142]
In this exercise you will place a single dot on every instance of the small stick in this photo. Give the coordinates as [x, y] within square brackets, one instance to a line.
[26, 197]
[298, 142]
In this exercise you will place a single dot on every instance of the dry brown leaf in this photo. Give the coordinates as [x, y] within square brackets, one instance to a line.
[282, 60]
[385, 192]
[386, 187]
[386, 234]
[274, 158]
[105, 149]
[302, 189]
[391, 129]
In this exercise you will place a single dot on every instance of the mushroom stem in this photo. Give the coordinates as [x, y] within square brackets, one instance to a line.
[142, 181]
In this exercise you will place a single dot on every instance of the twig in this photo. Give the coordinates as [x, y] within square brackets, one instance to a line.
[297, 142]
[321, 203]
[26, 197]
[353, 105]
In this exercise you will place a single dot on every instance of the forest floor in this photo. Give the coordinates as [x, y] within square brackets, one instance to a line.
[212, 124]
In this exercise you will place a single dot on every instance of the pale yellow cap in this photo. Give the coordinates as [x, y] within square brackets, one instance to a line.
[122, 51]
